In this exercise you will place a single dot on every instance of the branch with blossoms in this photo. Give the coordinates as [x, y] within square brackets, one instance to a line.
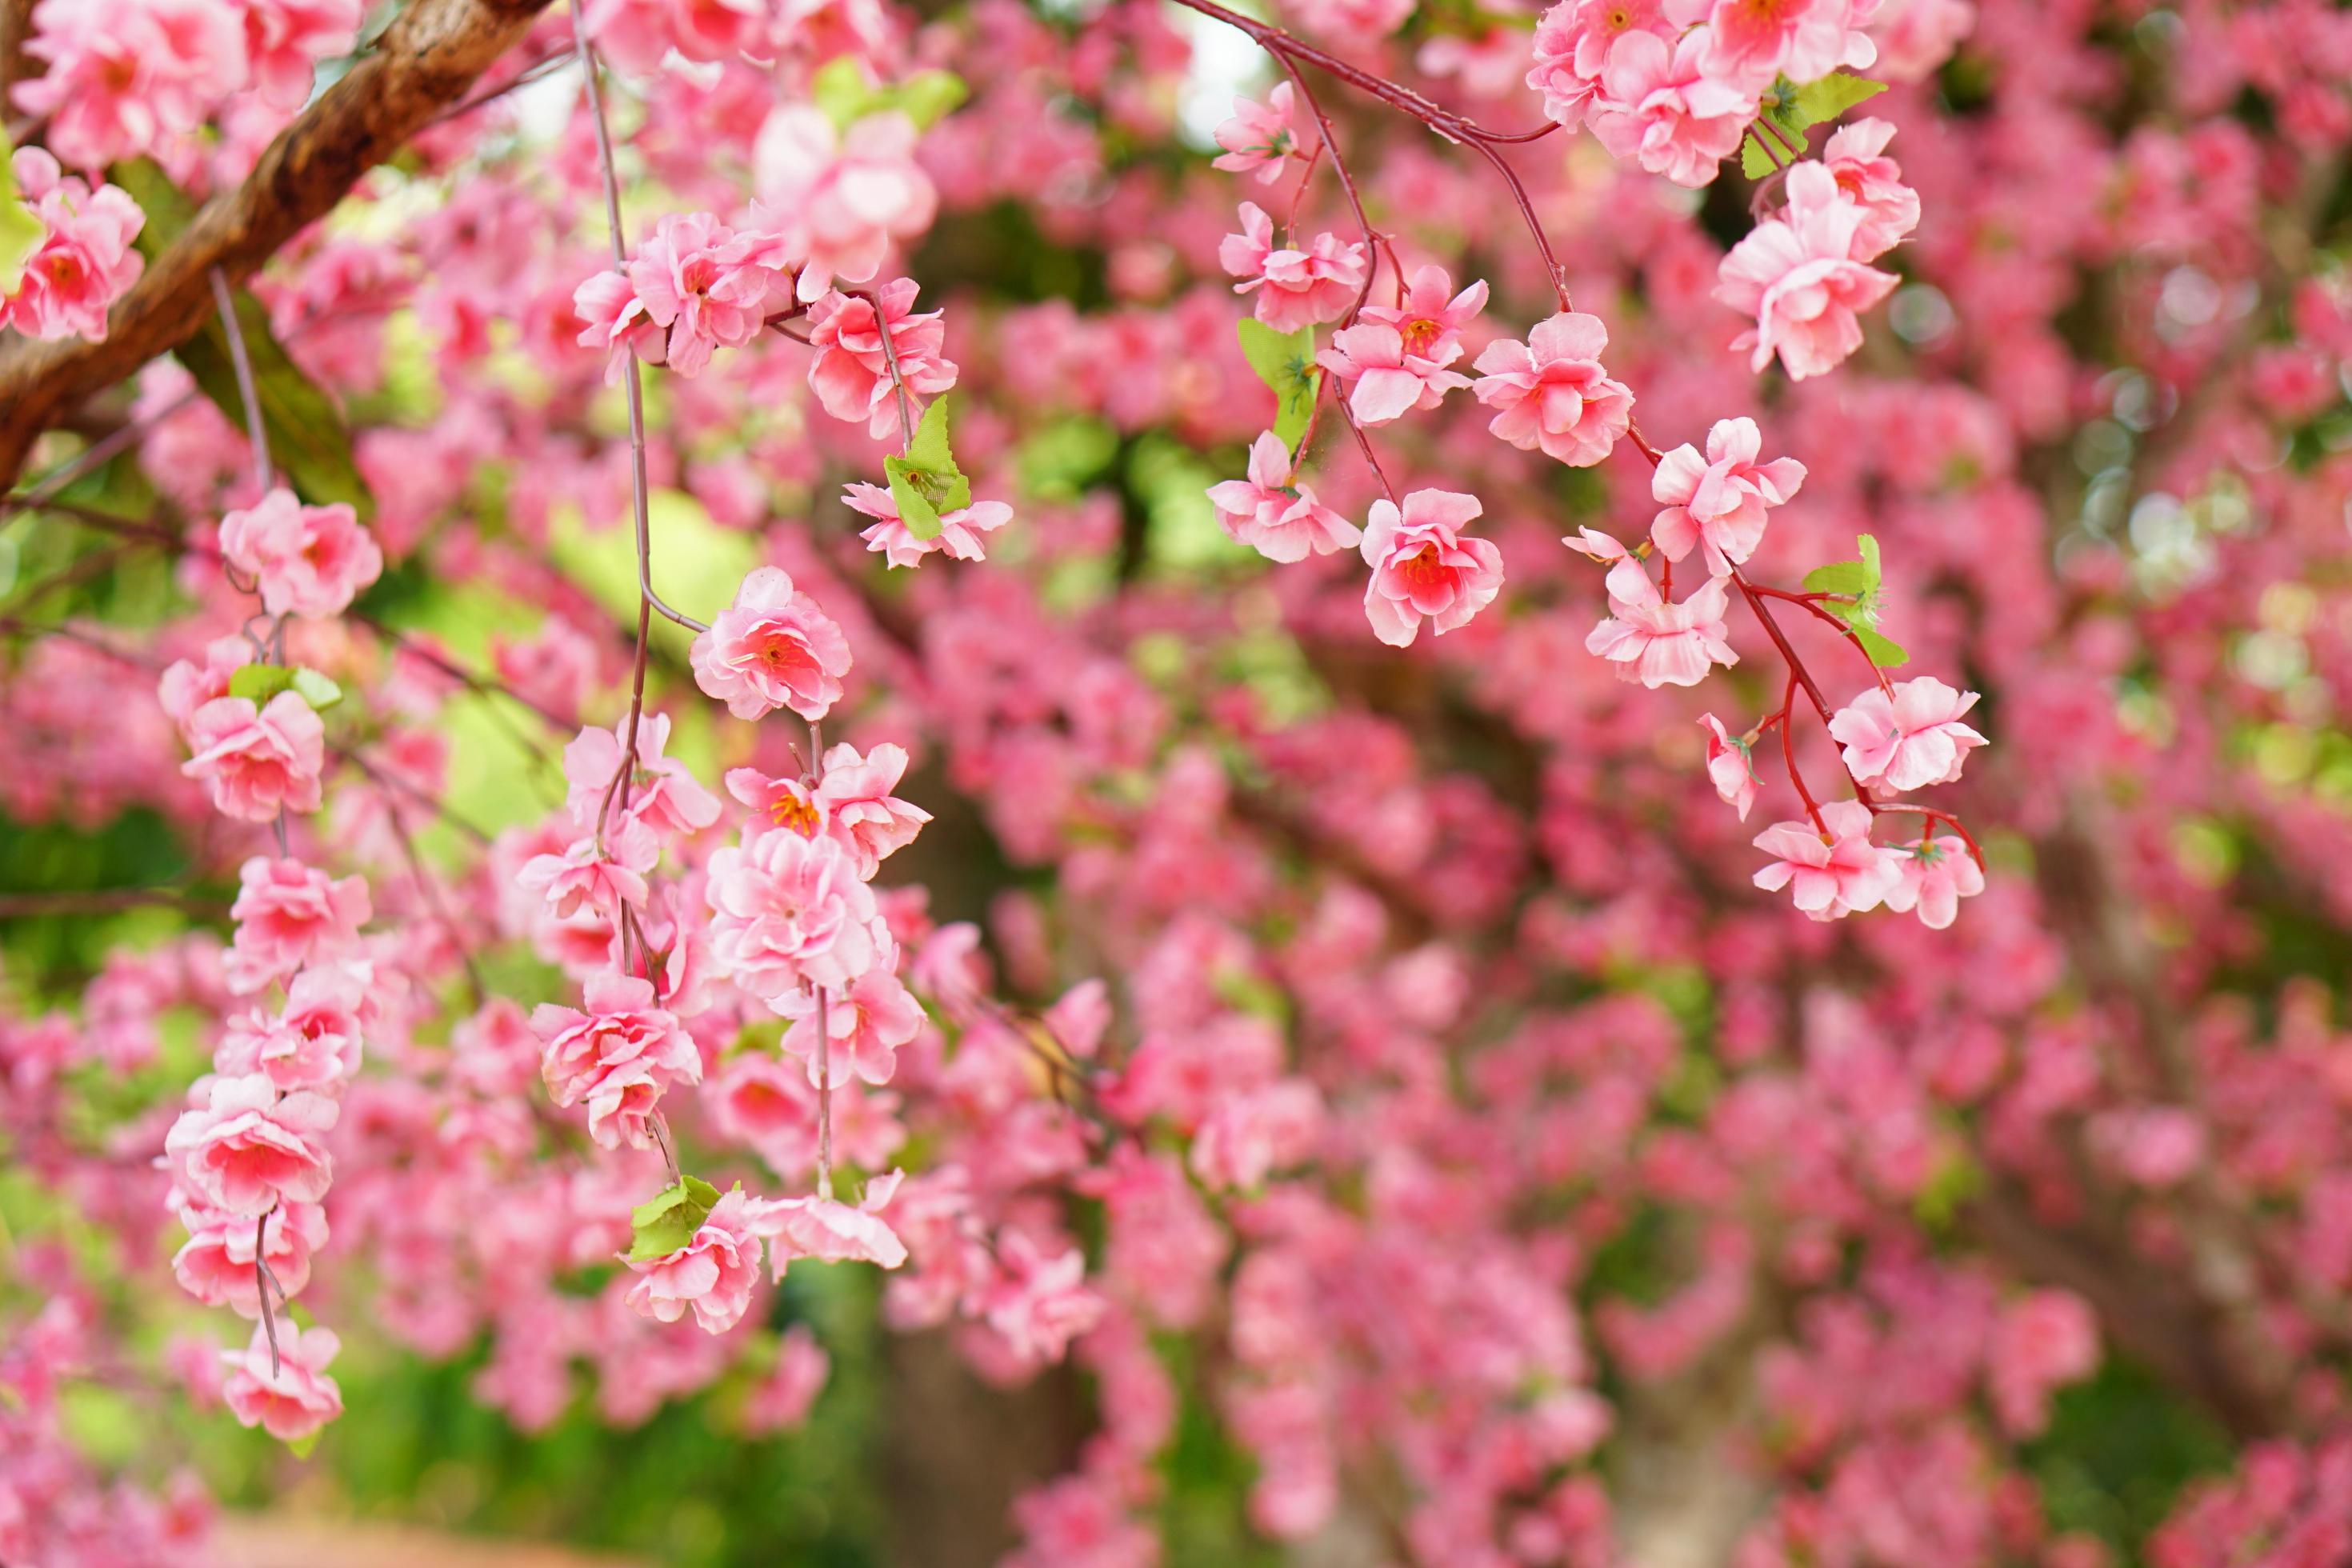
[1677, 88]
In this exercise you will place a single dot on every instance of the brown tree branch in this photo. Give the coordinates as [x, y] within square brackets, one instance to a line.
[426, 59]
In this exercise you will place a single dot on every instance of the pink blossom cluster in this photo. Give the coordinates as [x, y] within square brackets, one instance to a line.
[84, 261]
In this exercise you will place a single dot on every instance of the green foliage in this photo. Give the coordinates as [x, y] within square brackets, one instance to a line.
[307, 441]
[1794, 108]
[667, 1223]
[2118, 1451]
[846, 94]
[1285, 363]
[927, 481]
[1856, 583]
[258, 683]
[21, 232]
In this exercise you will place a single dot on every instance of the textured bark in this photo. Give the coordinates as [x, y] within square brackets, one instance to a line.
[426, 60]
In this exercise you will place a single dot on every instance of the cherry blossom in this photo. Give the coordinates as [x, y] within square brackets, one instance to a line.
[772, 648]
[1261, 138]
[1797, 277]
[788, 911]
[1908, 737]
[961, 535]
[851, 374]
[1385, 379]
[714, 1273]
[289, 915]
[1855, 153]
[257, 761]
[282, 1386]
[1424, 565]
[838, 201]
[1936, 875]
[1730, 767]
[1835, 869]
[618, 1056]
[1551, 391]
[245, 1148]
[1276, 515]
[84, 261]
[1660, 105]
[1295, 288]
[1717, 503]
[827, 1231]
[307, 561]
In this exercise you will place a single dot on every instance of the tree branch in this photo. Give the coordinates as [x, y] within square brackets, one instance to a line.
[426, 59]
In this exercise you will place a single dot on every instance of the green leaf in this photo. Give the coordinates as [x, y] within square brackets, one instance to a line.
[668, 1221]
[846, 95]
[308, 443]
[1884, 652]
[21, 230]
[914, 508]
[258, 683]
[1754, 160]
[1285, 363]
[301, 1447]
[318, 691]
[1857, 578]
[1818, 102]
[928, 97]
[842, 90]
[927, 481]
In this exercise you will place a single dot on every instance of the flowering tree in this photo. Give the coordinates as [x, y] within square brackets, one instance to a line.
[765, 641]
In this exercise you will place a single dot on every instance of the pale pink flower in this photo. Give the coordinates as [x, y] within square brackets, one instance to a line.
[1274, 512]
[868, 1020]
[1730, 767]
[1252, 1134]
[1039, 1303]
[782, 802]
[1551, 391]
[638, 35]
[772, 648]
[1909, 739]
[592, 876]
[713, 1273]
[1295, 288]
[850, 373]
[613, 318]
[307, 561]
[124, 74]
[959, 530]
[664, 792]
[781, 1400]
[256, 761]
[1432, 317]
[1385, 380]
[1795, 275]
[1915, 38]
[828, 1231]
[246, 1148]
[312, 1043]
[705, 287]
[853, 794]
[85, 259]
[1647, 638]
[1571, 49]
[1659, 105]
[839, 200]
[284, 38]
[187, 686]
[1261, 138]
[757, 1100]
[619, 1055]
[214, 1265]
[1717, 503]
[293, 1398]
[1836, 869]
[1936, 875]
[1855, 155]
[2049, 1338]
[1424, 565]
[789, 910]
[1752, 41]
[289, 915]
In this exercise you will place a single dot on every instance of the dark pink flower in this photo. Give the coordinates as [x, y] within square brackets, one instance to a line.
[287, 915]
[618, 1056]
[850, 373]
[85, 259]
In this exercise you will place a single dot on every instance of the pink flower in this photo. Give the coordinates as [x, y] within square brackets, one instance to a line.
[1250, 1135]
[781, 1400]
[2050, 1338]
[1915, 38]
[214, 1265]
[1659, 105]
[1295, 288]
[840, 200]
[1836, 869]
[959, 530]
[1908, 740]
[305, 559]
[637, 34]
[828, 1231]
[1717, 503]
[613, 318]
[705, 286]
[1936, 875]
[1423, 565]
[1753, 41]
[619, 1055]
[850, 373]
[1039, 1303]
[1261, 137]
[1551, 391]
[1730, 767]
[1429, 322]
[592, 876]
[788, 911]
[713, 1273]
[257, 761]
[853, 794]
[84, 261]
[869, 1021]
[782, 801]
[1571, 49]
[123, 73]
[295, 1399]
[313, 1043]
[187, 686]
[1854, 155]
[665, 794]
[1648, 639]
[287, 915]
[1385, 380]
[773, 648]
[283, 38]
[246, 1148]
[1273, 513]
[1795, 275]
